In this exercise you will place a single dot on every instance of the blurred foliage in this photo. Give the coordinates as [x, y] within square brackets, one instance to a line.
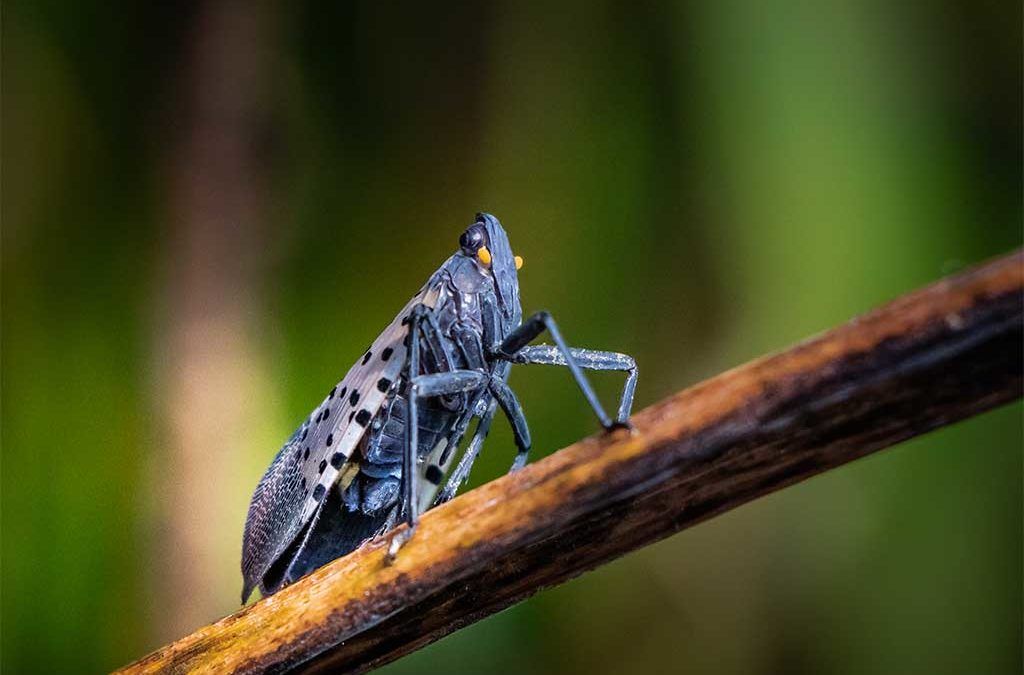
[692, 183]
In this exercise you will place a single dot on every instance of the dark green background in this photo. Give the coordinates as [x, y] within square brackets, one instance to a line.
[694, 183]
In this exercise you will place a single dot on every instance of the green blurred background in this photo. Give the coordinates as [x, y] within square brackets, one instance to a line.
[210, 208]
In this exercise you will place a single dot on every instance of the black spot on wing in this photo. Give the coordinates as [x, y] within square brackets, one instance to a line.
[330, 439]
[323, 465]
[337, 459]
[383, 384]
[434, 474]
[285, 491]
[354, 398]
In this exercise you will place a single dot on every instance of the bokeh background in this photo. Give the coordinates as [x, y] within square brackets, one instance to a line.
[210, 208]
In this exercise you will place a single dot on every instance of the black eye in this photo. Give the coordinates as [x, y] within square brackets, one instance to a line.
[472, 239]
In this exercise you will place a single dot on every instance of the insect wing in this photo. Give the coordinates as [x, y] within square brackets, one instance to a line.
[306, 468]
[271, 508]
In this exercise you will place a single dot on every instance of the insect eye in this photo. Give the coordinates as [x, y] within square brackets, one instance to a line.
[472, 239]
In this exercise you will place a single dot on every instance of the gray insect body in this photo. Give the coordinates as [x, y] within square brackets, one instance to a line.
[375, 451]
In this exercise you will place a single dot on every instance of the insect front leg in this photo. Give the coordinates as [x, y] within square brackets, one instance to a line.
[590, 360]
[527, 332]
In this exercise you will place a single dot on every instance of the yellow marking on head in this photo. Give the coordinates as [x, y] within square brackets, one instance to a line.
[519, 263]
[484, 255]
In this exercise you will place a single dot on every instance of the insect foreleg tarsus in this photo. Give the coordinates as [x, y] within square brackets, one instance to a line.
[527, 332]
[590, 360]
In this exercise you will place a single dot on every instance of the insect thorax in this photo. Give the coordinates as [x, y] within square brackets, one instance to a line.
[454, 339]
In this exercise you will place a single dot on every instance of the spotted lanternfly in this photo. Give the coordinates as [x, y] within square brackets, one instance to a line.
[375, 451]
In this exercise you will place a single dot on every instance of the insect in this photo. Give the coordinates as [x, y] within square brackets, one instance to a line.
[374, 453]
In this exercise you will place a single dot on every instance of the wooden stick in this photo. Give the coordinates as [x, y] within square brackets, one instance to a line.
[928, 359]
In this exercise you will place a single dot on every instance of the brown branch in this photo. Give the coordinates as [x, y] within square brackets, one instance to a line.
[928, 359]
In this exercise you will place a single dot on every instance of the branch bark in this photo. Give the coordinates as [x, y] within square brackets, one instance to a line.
[925, 360]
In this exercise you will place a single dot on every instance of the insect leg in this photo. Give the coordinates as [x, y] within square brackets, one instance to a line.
[460, 381]
[424, 386]
[439, 347]
[530, 329]
[461, 472]
[590, 360]
[505, 397]
[445, 384]
[421, 386]
[468, 342]
[410, 500]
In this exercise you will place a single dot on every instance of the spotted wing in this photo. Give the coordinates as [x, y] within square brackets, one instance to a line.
[306, 468]
[272, 511]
